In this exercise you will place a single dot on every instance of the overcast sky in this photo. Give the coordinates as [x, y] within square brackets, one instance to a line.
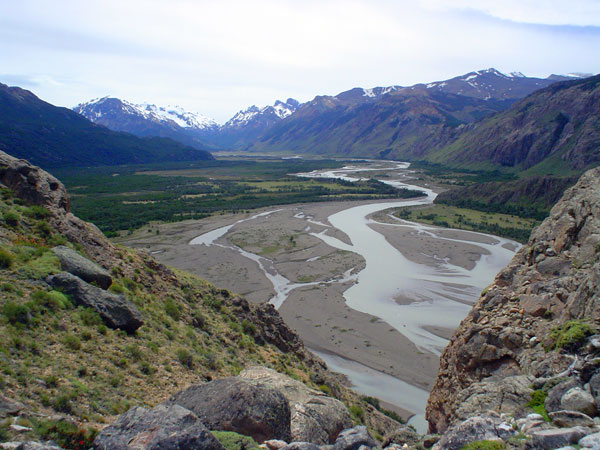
[217, 57]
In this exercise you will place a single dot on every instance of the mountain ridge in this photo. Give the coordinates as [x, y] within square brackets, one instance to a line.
[554, 128]
[248, 128]
[51, 136]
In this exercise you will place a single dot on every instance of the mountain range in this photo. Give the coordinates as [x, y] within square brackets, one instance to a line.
[553, 130]
[187, 127]
[51, 136]
[480, 120]
[392, 122]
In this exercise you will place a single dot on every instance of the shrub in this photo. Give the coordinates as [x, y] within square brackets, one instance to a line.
[234, 441]
[90, 317]
[52, 300]
[51, 381]
[6, 259]
[7, 287]
[133, 352]
[570, 335]
[11, 218]
[72, 342]
[66, 434]
[172, 309]
[116, 288]
[357, 412]
[484, 445]
[16, 313]
[248, 327]
[146, 368]
[185, 358]
[47, 263]
[43, 228]
[325, 389]
[36, 212]
[62, 403]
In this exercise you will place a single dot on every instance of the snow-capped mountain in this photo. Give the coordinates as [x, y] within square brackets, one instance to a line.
[396, 122]
[255, 116]
[149, 120]
[489, 84]
[103, 110]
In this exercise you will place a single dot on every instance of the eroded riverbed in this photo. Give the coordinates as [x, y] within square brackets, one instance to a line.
[352, 280]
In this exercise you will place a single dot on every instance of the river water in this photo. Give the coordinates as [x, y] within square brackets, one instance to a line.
[440, 293]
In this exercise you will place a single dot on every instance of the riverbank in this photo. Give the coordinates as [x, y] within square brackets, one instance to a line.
[353, 280]
[317, 311]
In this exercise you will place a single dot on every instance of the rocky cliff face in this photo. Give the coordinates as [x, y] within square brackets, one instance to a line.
[530, 328]
[554, 130]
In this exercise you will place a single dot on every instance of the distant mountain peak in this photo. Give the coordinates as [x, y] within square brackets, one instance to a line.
[97, 108]
[267, 114]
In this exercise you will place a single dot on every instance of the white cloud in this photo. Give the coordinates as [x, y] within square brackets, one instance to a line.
[218, 57]
[541, 12]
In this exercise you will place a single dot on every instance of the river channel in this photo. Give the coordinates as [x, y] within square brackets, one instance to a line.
[439, 295]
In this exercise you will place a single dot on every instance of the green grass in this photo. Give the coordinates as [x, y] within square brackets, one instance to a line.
[504, 225]
[570, 335]
[59, 358]
[537, 403]
[484, 445]
[234, 441]
[116, 203]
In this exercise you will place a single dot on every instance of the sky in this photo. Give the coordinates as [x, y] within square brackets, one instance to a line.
[217, 57]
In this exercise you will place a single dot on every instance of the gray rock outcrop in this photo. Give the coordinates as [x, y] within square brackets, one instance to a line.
[81, 267]
[114, 309]
[402, 435]
[164, 427]
[236, 404]
[569, 419]
[315, 417]
[556, 437]
[354, 439]
[550, 281]
[477, 428]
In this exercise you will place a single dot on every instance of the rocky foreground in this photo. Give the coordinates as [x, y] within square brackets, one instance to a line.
[522, 371]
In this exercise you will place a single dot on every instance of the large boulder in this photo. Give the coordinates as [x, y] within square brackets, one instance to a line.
[555, 394]
[556, 437]
[569, 419]
[236, 404]
[315, 417]
[478, 428]
[164, 427]
[354, 439]
[87, 270]
[577, 399]
[504, 396]
[401, 436]
[32, 184]
[116, 311]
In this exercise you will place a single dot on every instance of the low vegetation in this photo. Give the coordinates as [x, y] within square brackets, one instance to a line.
[235, 441]
[484, 445]
[570, 335]
[537, 403]
[59, 358]
[118, 198]
[504, 225]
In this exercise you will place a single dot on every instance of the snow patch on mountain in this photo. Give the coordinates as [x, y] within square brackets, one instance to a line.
[174, 115]
[279, 110]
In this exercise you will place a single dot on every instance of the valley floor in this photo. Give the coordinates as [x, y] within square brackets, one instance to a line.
[318, 273]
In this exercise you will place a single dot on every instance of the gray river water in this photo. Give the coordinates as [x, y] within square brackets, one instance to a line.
[441, 292]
